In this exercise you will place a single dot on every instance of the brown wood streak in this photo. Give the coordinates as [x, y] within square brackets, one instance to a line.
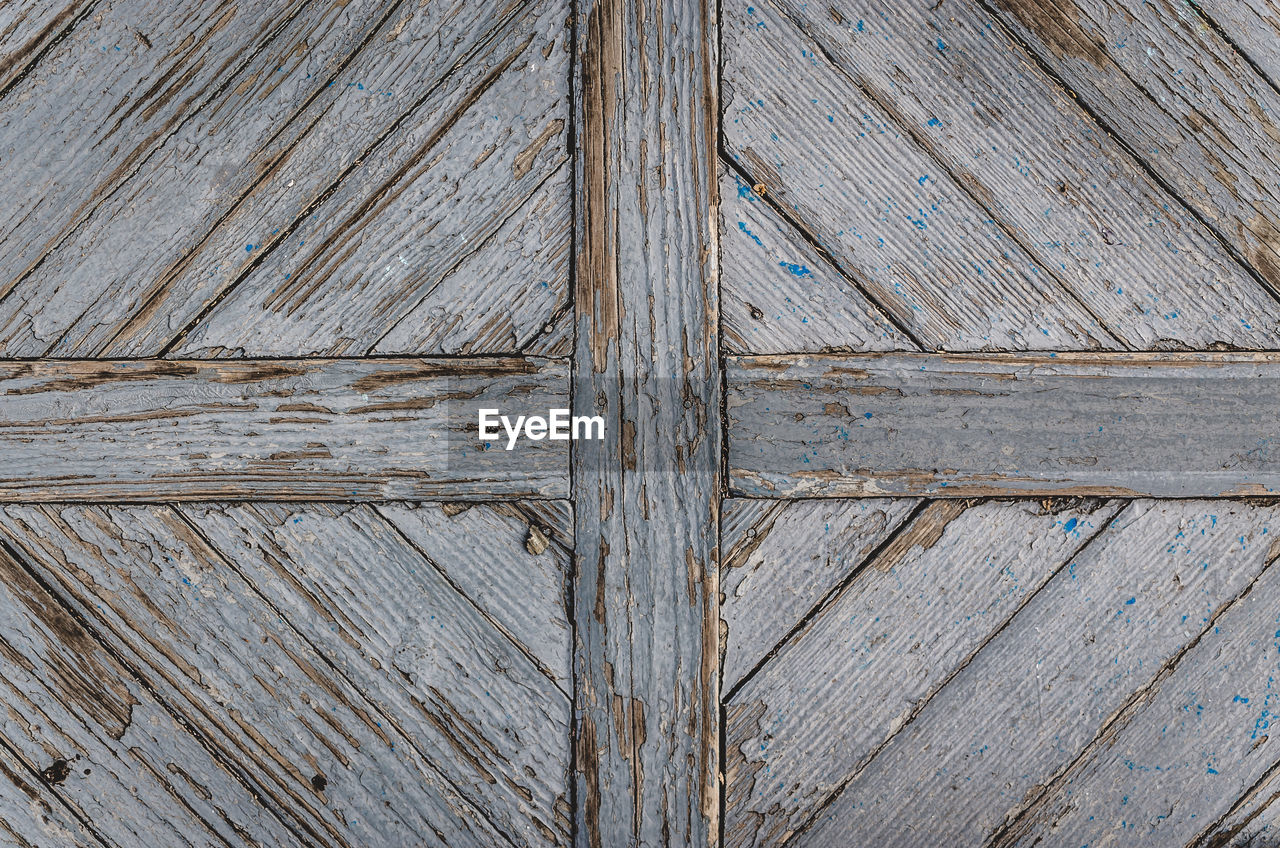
[647, 498]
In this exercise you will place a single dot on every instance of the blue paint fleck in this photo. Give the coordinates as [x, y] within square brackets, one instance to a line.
[1070, 525]
[922, 179]
[1131, 602]
[248, 247]
[934, 122]
[797, 270]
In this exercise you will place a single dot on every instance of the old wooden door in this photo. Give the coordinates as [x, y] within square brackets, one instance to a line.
[936, 345]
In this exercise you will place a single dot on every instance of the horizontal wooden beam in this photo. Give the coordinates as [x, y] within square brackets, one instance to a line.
[1164, 425]
[350, 429]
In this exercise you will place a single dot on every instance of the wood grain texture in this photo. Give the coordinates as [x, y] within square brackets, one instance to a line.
[1039, 691]
[90, 755]
[863, 666]
[841, 169]
[1059, 186]
[501, 297]
[1170, 767]
[788, 561]
[444, 180]
[29, 30]
[1187, 105]
[504, 564]
[121, 84]
[285, 716]
[446, 675]
[1252, 27]
[365, 429]
[646, 498]
[779, 294]
[255, 165]
[1170, 425]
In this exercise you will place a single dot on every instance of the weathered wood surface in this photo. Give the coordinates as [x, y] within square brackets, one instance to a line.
[1086, 214]
[860, 669]
[891, 217]
[1252, 27]
[445, 674]
[284, 158]
[1169, 425]
[1080, 650]
[779, 294]
[251, 683]
[1181, 98]
[443, 181]
[507, 566]
[89, 754]
[646, 499]
[786, 563]
[1170, 767]
[29, 30]
[356, 429]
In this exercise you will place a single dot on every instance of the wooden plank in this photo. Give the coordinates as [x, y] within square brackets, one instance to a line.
[31, 816]
[790, 561]
[1065, 191]
[444, 181]
[290, 126]
[863, 666]
[93, 754]
[1032, 698]
[301, 733]
[1187, 105]
[1169, 425]
[105, 97]
[646, 498]
[1254, 820]
[841, 170]
[29, 30]
[446, 675]
[499, 298]
[504, 565]
[1252, 27]
[779, 294]
[356, 429]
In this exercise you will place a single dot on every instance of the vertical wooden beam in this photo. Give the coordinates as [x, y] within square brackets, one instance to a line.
[647, 359]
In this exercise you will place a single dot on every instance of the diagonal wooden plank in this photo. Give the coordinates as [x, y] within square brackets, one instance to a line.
[105, 97]
[28, 31]
[517, 579]
[1170, 425]
[646, 498]
[111, 760]
[779, 294]
[443, 181]
[298, 731]
[287, 127]
[791, 560]
[840, 168]
[356, 429]
[1252, 27]
[1067, 192]
[30, 813]
[1254, 820]
[499, 298]
[439, 671]
[861, 669]
[1185, 103]
[1033, 697]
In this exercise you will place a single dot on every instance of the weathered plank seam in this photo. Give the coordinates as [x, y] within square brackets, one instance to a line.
[232, 767]
[1231, 42]
[826, 599]
[812, 241]
[497, 625]
[924, 701]
[1207, 838]
[479, 246]
[1167, 187]
[1005, 834]
[924, 147]
[324, 656]
[85, 212]
[70, 808]
[180, 264]
[53, 42]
